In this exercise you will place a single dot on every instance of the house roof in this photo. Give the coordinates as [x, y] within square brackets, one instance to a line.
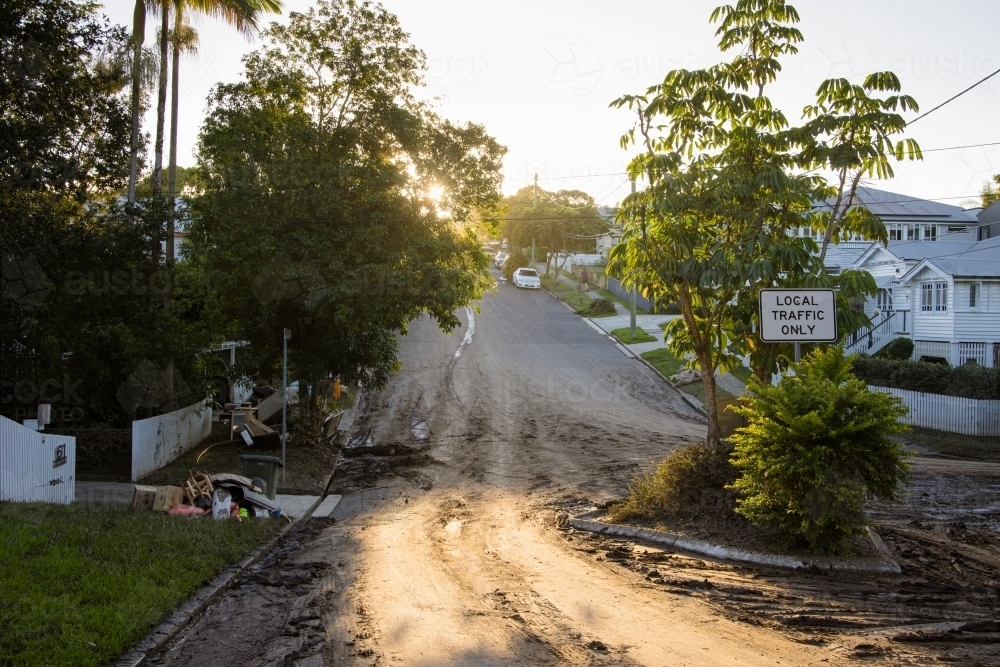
[893, 207]
[990, 214]
[967, 268]
[917, 250]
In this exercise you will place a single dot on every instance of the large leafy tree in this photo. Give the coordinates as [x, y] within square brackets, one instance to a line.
[81, 305]
[241, 14]
[728, 183]
[561, 220]
[335, 204]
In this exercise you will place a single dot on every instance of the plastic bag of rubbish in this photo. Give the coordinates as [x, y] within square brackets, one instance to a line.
[221, 504]
[186, 510]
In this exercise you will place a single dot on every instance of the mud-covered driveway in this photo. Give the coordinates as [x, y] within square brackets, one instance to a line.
[445, 549]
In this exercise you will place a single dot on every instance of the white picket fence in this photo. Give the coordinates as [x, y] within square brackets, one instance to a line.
[159, 440]
[36, 466]
[968, 416]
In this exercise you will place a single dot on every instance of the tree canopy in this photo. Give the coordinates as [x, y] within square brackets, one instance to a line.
[82, 292]
[335, 204]
[561, 220]
[729, 182]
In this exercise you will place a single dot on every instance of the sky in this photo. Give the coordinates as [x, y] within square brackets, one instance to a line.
[540, 74]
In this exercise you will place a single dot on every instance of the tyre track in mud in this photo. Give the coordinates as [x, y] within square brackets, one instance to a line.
[456, 559]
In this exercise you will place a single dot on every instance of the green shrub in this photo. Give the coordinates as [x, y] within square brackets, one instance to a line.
[692, 480]
[965, 381]
[900, 349]
[814, 449]
[515, 261]
[598, 307]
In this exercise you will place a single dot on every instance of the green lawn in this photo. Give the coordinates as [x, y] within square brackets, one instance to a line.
[979, 448]
[668, 364]
[623, 334]
[568, 290]
[608, 294]
[81, 583]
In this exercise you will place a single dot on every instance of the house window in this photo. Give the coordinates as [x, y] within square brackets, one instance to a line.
[911, 232]
[934, 297]
[895, 233]
[975, 296]
[930, 232]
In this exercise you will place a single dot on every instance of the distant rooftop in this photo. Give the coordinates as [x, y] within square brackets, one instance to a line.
[893, 207]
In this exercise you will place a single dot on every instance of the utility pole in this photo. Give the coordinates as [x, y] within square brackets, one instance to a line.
[535, 204]
[631, 319]
[284, 395]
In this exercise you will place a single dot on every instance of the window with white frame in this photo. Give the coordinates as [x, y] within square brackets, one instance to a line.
[976, 296]
[895, 232]
[930, 232]
[934, 297]
[911, 232]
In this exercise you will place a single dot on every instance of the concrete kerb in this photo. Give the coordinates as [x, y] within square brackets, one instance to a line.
[690, 400]
[884, 565]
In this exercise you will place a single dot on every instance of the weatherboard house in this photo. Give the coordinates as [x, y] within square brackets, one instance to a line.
[938, 279]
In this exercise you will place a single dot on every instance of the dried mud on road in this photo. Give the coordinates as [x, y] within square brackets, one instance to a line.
[445, 549]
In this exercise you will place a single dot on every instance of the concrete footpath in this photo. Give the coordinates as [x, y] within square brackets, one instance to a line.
[117, 492]
[651, 324]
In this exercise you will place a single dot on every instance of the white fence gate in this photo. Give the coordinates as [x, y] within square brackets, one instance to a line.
[35, 466]
[968, 416]
[159, 440]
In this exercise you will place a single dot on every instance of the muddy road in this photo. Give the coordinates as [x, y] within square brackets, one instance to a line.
[446, 551]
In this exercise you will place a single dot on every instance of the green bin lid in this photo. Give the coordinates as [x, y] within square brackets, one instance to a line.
[261, 457]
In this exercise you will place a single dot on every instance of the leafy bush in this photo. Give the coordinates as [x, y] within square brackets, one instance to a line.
[599, 306]
[965, 381]
[814, 449]
[516, 261]
[900, 349]
[692, 480]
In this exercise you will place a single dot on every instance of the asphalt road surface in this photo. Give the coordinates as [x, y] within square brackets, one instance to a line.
[453, 556]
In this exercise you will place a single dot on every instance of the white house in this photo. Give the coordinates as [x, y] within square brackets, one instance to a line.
[938, 280]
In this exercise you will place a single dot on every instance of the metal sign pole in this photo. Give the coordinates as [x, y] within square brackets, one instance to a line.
[798, 352]
[284, 396]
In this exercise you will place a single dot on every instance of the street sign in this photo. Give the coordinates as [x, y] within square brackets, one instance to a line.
[798, 316]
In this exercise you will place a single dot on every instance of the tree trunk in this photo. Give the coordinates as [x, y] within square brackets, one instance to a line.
[161, 102]
[138, 36]
[714, 435]
[172, 167]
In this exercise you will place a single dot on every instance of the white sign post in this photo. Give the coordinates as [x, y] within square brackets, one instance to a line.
[798, 316]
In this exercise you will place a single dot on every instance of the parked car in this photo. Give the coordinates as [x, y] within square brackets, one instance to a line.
[499, 260]
[528, 278]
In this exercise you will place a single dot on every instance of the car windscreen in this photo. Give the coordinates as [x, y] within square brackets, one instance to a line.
[529, 273]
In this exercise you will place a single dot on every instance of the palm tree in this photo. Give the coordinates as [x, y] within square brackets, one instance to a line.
[138, 37]
[244, 15]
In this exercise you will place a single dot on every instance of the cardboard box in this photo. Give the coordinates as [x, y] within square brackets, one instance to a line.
[143, 497]
[167, 497]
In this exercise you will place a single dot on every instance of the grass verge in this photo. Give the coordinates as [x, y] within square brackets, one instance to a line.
[611, 296]
[81, 583]
[665, 362]
[567, 290]
[624, 335]
[978, 448]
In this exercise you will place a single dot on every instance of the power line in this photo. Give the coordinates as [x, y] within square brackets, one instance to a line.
[953, 98]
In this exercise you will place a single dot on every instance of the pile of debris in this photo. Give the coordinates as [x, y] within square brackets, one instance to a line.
[223, 495]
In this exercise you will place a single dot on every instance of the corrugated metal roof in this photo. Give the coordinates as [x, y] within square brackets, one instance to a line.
[967, 268]
[917, 250]
[899, 208]
[990, 214]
